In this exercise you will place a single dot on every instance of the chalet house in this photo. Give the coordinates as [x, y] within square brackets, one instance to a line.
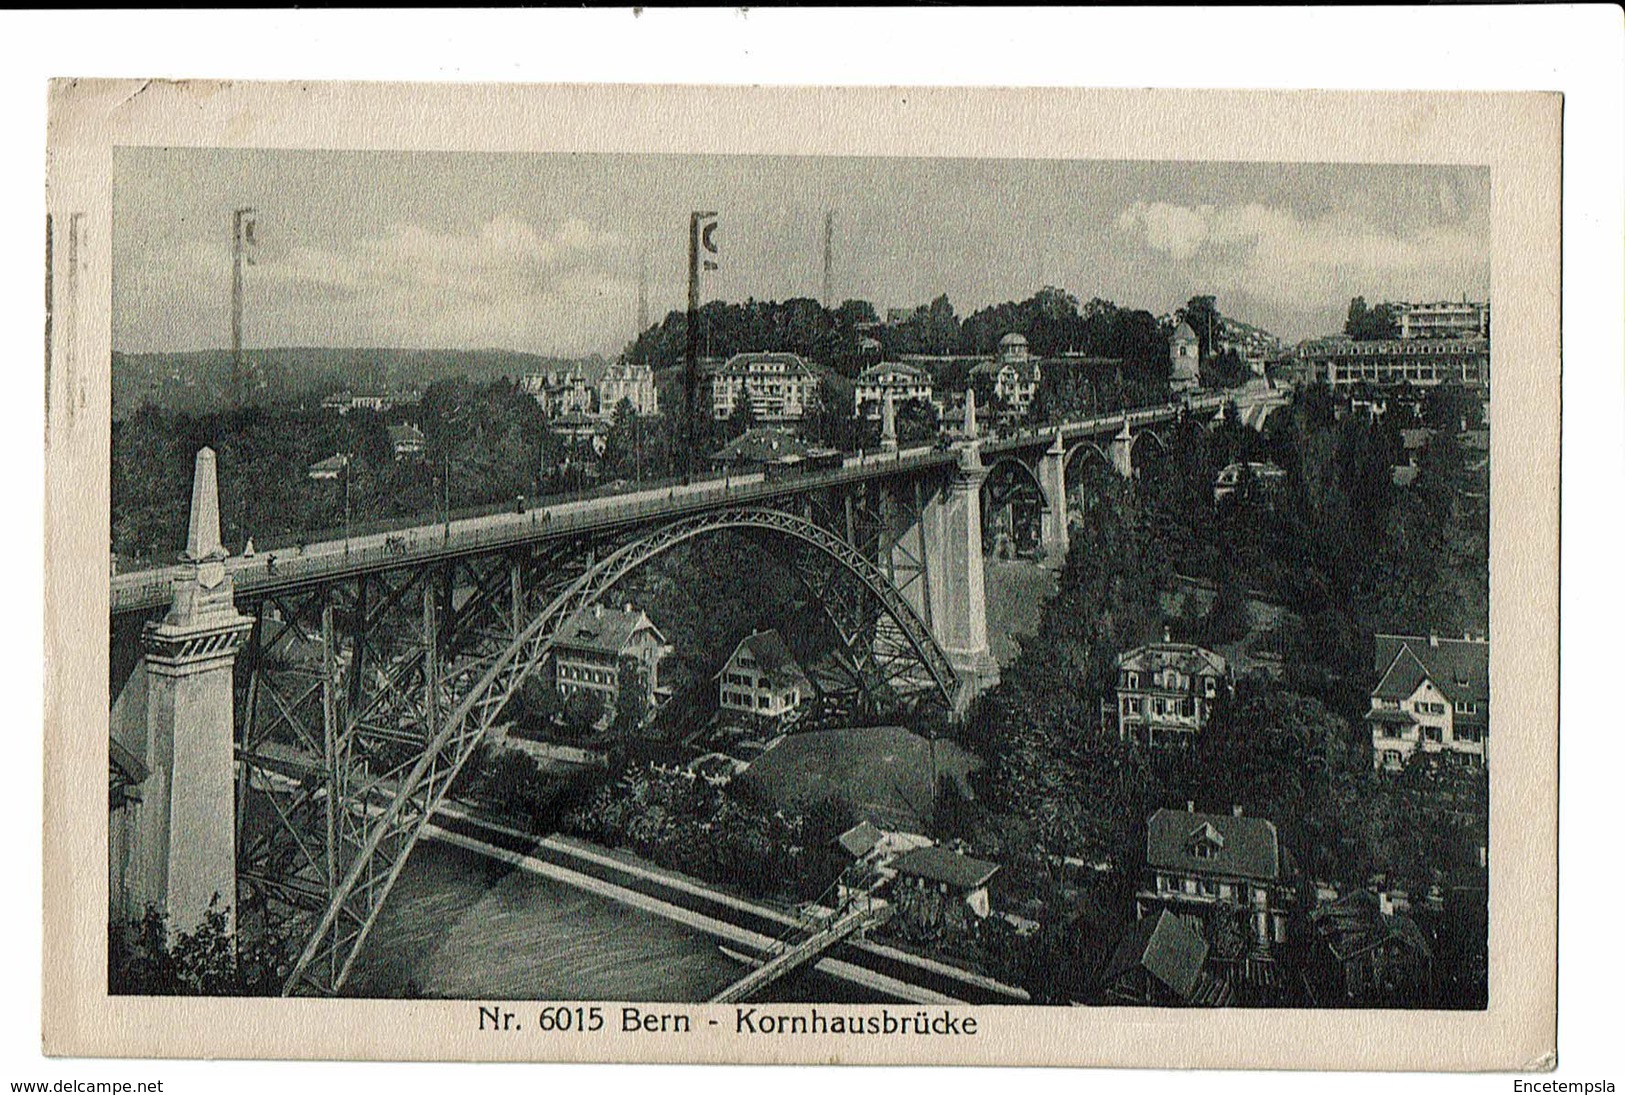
[1159, 963]
[594, 644]
[330, 468]
[763, 447]
[633, 382]
[778, 387]
[407, 441]
[561, 391]
[938, 888]
[1218, 872]
[1016, 373]
[762, 679]
[904, 383]
[1166, 692]
[1250, 478]
[1362, 953]
[1432, 696]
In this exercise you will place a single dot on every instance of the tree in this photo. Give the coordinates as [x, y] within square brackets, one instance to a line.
[145, 959]
[631, 698]
[1453, 407]
[583, 708]
[1202, 313]
[1367, 324]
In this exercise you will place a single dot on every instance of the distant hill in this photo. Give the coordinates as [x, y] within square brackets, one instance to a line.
[199, 381]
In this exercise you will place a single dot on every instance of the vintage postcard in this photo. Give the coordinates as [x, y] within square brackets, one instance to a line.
[607, 573]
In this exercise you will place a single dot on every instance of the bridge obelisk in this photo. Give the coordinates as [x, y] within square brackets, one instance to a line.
[953, 536]
[1053, 531]
[185, 844]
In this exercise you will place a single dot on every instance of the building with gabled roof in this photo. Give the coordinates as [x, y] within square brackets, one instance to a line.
[1432, 696]
[1213, 868]
[937, 887]
[778, 387]
[905, 383]
[1016, 373]
[1166, 691]
[406, 440]
[1362, 953]
[1159, 962]
[330, 467]
[761, 447]
[762, 678]
[593, 644]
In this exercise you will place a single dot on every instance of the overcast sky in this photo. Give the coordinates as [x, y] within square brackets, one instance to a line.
[541, 253]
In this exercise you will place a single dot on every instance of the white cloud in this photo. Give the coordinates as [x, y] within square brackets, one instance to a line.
[504, 283]
[1277, 256]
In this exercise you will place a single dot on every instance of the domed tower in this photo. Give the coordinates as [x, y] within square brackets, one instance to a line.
[1013, 348]
[1185, 355]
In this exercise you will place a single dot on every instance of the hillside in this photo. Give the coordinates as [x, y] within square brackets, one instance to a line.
[197, 381]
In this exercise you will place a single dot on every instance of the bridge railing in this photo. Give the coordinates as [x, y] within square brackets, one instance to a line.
[503, 527]
[408, 540]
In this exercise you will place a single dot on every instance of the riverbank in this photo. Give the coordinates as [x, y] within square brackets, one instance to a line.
[485, 909]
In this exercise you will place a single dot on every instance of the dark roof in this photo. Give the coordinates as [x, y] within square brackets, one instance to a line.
[609, 631]
[740, 364]
[1167, 948]
[1459, 668]
[875, 372]
[1024, 368]
[1246, 847]
[940, 865]
[1391, 714]
[861, 839]
[1188, 658]
[1183, 333]
[763, 445]
[337, 462]
[1355, 924]
[773, 658]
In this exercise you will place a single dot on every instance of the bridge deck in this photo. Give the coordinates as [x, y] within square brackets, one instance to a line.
[283, 569]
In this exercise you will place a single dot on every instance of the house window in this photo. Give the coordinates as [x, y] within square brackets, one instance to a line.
[1433, 733]
[1466, 707]
[1133, 679]
[1156, 706]
[1210, 687]
[1203, 850]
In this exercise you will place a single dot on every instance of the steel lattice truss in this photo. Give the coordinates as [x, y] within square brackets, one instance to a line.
[363, 699]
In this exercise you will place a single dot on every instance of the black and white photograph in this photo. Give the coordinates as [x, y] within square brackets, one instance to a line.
[673, 599]
[895, 581]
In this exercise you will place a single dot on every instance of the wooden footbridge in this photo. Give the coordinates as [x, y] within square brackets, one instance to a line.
[787, 956]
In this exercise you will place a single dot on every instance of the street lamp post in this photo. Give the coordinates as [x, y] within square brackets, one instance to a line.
[347, 461]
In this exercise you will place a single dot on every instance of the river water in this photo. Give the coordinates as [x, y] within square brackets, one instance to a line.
[459, 925]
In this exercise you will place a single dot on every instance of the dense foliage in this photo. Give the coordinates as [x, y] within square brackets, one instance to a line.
[688, 825]
[144, 959]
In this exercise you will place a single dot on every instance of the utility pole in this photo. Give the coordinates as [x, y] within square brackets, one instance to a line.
[643, 294]
[829, 259]
[242, 232]
[697, 237]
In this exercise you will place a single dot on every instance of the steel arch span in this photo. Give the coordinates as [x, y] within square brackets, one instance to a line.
[381, 815]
